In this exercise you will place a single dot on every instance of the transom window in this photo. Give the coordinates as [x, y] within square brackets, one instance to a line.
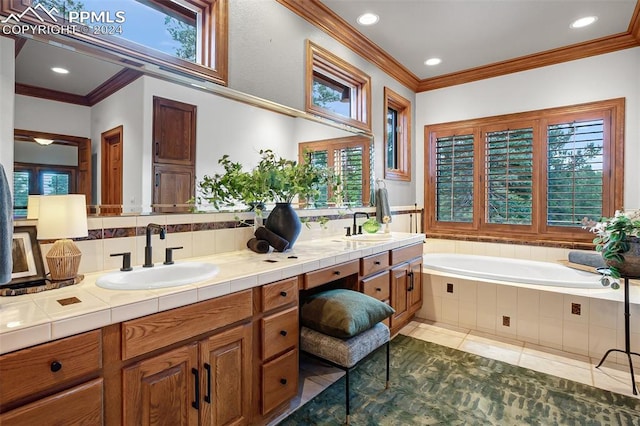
[336, 89]
[532, 175]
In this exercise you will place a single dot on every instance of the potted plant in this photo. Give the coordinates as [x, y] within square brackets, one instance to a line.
[617, 240]
[274, 179]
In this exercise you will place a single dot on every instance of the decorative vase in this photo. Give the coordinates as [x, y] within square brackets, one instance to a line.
[630, 267]
[284, 221]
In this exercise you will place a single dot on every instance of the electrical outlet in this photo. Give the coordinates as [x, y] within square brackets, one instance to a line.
[575, 308]
[449, 288]
[506, 321]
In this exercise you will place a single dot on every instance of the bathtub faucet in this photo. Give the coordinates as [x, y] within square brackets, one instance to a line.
[355, 228]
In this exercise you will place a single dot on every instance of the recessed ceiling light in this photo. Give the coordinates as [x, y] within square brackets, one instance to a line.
[368, 19]
[583, 22]
[60, 70]
[432, 61]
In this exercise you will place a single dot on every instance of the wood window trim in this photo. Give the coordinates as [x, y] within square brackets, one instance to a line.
[346, 142]
[540, 233]
[214, 36]
[403, 107]
[321, 60]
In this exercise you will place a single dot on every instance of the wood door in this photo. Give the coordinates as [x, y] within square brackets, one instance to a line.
[174, 132]
[111, 185]
[80, 405]
[172, 188]
[225, 362]
[83, 177]
[399, 285]
[415, 285]
[162, 389]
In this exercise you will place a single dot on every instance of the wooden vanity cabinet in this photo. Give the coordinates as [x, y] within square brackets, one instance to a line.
[406, 292]
[53, 383]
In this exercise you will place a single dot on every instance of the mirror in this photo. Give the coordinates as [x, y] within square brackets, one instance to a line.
[100, 95]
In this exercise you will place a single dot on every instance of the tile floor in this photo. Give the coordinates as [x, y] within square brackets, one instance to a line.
[315, 377]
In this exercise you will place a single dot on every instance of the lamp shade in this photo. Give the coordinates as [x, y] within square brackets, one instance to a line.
[62, 216]
[33, 206]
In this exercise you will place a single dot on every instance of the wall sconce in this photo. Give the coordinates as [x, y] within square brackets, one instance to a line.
[62, 217]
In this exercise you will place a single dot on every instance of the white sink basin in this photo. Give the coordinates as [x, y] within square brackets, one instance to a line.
[378, 236]
[160, 276]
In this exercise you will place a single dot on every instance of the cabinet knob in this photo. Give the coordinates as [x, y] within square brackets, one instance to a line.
[56, 366]
[283, 293]
[283, 381]
[283, 332]
[336, 272]
[378, 289]
[377, 262]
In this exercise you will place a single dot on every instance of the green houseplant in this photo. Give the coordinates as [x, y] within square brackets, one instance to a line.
[617, 240]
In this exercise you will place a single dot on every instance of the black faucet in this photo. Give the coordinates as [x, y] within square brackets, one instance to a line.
[148, 253]
[355, 228]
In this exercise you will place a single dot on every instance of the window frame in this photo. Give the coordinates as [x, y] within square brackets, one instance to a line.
[212, 43]
[342, 143]
[612, 110]
[333, 68]
[402, 106]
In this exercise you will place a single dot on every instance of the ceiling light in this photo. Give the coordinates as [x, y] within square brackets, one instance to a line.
[368, 19]
[432, 61]
[60, 70]
[583, 22]
[43, 141]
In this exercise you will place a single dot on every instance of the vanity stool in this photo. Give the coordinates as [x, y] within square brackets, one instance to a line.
[342, 327]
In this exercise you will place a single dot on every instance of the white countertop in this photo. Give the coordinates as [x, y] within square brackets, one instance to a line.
[31, 319]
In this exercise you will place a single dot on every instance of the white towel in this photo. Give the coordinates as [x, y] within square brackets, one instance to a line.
[6, 229]
[382, 205]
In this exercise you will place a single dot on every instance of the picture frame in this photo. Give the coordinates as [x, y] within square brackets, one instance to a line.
[28, 266]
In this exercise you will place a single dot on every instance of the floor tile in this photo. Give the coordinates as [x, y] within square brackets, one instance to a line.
[439, 337]
[556, 368]
[577, 360]
[487, 350]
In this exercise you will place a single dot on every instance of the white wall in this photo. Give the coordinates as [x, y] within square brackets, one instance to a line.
[7, 83]
[29, 152]
[608, 76]
[53, 117]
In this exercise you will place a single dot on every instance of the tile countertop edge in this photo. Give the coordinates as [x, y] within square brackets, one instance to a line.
[22, 336]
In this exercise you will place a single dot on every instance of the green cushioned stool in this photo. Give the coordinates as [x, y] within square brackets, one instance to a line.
[342, 327]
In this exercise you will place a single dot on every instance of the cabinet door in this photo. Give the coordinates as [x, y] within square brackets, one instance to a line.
[173, 186]
[174, 132]
[81, 405]
[225, 362]
[162, 390]
[399, 286]
[415, 286]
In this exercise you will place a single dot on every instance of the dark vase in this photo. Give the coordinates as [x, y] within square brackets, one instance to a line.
[284, 221]
[630, 267]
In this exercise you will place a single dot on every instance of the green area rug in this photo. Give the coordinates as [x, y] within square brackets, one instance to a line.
[436, 385]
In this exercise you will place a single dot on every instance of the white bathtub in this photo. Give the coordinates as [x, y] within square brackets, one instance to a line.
[511, 270]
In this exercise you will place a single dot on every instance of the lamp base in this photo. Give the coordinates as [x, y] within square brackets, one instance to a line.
[63, 260]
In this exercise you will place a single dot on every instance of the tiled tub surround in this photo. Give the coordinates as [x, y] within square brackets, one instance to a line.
[581, 321]
[36, 318]
[203, 234]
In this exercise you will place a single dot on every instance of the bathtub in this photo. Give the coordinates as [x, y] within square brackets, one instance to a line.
[511, 270]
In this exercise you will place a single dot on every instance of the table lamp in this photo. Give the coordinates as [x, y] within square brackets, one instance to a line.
[61, 218]
[33, 206]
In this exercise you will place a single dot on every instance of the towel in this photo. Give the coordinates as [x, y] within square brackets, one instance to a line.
[275, 240]
[382, 205]
[586, 258]
[6, 229]
[258, 246]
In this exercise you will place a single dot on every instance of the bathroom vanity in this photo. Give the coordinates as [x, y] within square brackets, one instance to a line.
[223, 351]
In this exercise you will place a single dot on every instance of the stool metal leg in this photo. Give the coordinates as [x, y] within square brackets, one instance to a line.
[387, 384]
[347, 394]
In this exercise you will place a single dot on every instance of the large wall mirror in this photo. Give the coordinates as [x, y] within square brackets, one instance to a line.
[109, 102]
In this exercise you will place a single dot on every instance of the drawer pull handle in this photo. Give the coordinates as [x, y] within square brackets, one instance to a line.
[56, 366]
[283, 332]
[196, 404]
[207, 397]
[336, 272]
[283, 293]
[377, 262]
[283, 381]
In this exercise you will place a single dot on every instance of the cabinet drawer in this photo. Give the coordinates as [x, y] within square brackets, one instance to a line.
[372, 264]
[279, 294]
[156, 331]
[35, 369]
[81, 405]
[279, 380]
[326, 275]
[377, 286]
[279, 332]
[403, 254]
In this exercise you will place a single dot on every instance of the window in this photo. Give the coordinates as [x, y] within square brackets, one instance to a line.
[189, 35]
[336, 89]
[397, 138]
[532, 175]
[40, 179]
[350, 158]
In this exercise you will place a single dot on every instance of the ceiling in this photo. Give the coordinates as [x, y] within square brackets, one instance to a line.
[467, 34]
